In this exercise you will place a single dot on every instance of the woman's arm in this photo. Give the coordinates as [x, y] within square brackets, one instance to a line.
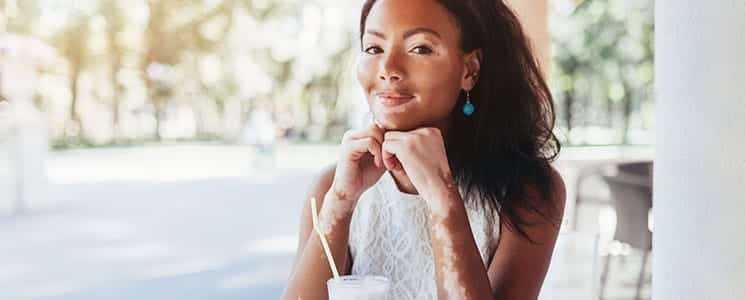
[359, 168]
[461, 274]
[517, 268]
[311, 269]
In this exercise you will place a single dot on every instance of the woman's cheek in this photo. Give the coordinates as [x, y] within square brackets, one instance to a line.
[366, 72]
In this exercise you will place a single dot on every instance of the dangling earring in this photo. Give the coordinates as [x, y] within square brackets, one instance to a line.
[468, 108]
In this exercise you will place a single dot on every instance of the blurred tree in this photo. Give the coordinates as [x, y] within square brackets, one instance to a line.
[603, 56]
[112, 11]
[17, 15]
[172, 28]
[188, 66]
[72, 42]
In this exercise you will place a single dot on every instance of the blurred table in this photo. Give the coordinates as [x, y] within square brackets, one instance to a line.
[577, 163]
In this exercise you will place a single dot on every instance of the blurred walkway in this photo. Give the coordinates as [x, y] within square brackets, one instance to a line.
[166, 222]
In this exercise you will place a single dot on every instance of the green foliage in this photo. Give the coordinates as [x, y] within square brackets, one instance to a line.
[153, 62]
[133, 71]
[603, 69]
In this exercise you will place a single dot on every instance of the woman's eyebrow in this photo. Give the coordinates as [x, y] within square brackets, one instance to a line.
[421, 30]
[406, 34]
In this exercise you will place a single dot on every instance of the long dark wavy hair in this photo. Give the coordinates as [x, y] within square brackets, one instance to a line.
[503, 152]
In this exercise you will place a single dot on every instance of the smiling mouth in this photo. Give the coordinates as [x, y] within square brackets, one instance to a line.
[391, 100]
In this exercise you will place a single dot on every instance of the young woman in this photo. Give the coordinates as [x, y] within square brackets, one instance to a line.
[450, 194]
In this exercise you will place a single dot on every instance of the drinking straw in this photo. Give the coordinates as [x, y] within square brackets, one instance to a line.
[325, 243]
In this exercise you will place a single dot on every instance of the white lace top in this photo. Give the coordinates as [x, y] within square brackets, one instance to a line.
[390, 236]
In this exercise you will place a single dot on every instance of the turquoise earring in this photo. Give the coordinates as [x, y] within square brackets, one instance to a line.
[468, 108]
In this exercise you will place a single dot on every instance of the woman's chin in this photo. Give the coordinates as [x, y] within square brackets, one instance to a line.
[395, 123]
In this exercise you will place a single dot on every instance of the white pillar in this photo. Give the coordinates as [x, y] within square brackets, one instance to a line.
[699, 238]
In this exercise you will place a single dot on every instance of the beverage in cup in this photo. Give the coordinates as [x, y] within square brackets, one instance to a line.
[357, 287]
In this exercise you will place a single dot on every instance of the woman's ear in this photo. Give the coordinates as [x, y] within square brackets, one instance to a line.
[472, 69]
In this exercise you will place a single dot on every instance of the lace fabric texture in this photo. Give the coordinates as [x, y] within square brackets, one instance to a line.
[390, 236]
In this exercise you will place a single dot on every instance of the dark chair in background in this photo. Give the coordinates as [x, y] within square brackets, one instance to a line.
[631, 196]
[588, 177]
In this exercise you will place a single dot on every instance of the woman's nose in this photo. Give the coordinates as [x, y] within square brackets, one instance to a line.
[390, 69]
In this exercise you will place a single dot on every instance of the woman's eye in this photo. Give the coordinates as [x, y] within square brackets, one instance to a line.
[373, 50]
[422, 50]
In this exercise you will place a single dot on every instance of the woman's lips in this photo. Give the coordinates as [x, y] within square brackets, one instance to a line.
[391, 99]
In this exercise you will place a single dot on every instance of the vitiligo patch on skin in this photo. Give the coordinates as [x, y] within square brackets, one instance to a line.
[396, 109]
[441, 207]
[334, 211]
[444, 240]
[378, 123]
[454, 281]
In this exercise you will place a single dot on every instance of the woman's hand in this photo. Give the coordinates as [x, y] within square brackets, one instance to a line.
[421, 154]
[360, 164]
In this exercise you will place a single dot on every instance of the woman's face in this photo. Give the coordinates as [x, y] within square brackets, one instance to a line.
[411, 67]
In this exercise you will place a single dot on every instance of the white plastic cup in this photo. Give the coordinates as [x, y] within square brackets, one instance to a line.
[358, 287]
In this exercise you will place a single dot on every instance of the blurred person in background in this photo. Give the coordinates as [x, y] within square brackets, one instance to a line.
[450, 194]
[26, 128]
[260, 130]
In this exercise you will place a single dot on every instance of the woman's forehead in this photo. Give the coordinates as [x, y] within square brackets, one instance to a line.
[398, 18]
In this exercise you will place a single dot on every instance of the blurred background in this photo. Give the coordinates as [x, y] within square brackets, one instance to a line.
[162, 148]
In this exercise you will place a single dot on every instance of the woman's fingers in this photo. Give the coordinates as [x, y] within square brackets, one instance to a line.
[373, 131]
[375, 148]
[377, 133]
[390, 148]
[358, 147]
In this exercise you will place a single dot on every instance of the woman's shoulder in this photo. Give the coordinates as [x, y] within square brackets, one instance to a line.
[322, 182]
[318, 189]
[541, 199]
[558, 187]
[553, 202]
